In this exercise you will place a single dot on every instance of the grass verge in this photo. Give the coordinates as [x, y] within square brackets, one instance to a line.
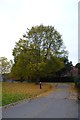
[11, 98]
[14, 92]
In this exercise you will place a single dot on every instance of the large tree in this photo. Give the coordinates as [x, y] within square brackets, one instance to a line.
[39, 53]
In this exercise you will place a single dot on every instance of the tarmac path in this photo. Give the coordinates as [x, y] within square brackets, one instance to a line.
[62, 103]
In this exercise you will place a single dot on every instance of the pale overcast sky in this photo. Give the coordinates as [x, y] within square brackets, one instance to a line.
[18, 15]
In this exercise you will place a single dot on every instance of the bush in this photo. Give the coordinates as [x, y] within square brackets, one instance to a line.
[77, 81]
[58, 79]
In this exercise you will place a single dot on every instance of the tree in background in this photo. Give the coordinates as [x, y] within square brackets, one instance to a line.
[78, 66]
[5, 65]
[5, 68]
[39, 53]
[66, 69]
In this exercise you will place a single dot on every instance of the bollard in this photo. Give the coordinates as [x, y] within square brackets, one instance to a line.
[40, 86]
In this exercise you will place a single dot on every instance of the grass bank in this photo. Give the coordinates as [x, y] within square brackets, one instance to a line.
[13, 92]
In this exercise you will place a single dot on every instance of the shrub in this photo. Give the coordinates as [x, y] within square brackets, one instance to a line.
[77, 81]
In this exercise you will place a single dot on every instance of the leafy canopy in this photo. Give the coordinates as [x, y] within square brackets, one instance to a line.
[39, 53]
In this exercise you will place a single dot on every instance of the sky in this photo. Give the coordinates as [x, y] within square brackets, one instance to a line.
[18, 15]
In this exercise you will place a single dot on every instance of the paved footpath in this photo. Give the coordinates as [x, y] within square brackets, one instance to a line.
[59, 104]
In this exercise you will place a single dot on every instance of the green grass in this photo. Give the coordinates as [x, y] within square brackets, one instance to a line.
[8, 98]
[14, 92]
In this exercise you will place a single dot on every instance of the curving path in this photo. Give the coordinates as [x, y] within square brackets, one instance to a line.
[62, 103]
